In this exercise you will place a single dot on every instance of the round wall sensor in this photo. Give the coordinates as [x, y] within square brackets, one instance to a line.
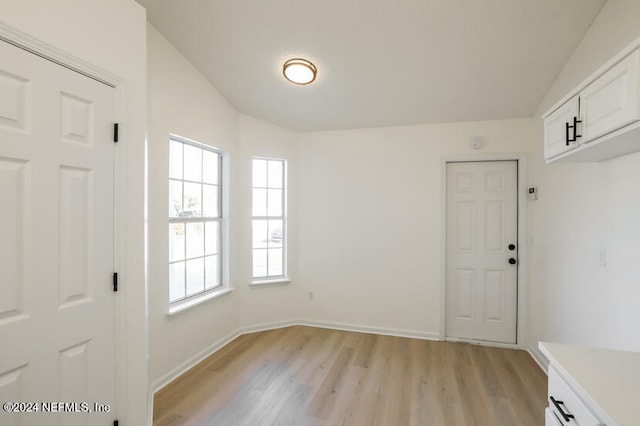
[476, 143]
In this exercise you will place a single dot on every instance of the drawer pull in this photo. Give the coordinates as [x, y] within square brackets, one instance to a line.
[565, 416]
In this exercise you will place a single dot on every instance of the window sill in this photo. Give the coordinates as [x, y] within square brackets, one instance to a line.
[183, 306]
[259, 283]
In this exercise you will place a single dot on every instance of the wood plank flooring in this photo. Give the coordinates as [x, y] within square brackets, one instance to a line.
[299, 376]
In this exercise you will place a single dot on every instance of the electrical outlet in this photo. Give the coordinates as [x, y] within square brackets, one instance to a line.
[602, 258]
[311, 295]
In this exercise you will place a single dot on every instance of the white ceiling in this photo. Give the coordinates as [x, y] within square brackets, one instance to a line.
[380, 62]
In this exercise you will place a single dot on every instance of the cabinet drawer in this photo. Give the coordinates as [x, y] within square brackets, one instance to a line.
[568, 402]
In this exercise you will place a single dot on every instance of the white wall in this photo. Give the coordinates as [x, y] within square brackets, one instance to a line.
[615, 26]
[182, 102]
[110, 34]
[371, 219]
[270, 304]
[582, 209]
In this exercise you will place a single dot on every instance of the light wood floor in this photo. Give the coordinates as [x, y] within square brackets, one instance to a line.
[298, 376]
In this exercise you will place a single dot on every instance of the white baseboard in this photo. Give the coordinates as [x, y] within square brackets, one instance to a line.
[372, 330]
[268, 326]
[539, 358]
[192, 362]
[484, 343]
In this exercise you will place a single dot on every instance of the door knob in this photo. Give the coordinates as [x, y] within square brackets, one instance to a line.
[512, 246]
[512, 261]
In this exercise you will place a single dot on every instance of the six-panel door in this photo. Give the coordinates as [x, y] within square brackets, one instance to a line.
[56, 242]
[481, 283]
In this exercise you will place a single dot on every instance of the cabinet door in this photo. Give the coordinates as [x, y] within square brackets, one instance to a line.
[555, 129]
[576, 412]
[550, 419]
[612, 100]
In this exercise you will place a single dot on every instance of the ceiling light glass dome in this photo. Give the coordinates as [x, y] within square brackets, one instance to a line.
[299, 71]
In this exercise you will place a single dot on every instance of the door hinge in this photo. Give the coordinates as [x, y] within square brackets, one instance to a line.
[115, 132]
[115, 281]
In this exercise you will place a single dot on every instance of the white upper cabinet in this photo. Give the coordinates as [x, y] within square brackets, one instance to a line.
[612, 100]
[599, 119]
[559, 130]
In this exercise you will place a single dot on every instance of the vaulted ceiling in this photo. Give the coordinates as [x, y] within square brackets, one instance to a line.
[380, 62]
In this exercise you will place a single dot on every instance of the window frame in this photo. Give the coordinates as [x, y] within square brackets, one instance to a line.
[189, 300]
[284, 277]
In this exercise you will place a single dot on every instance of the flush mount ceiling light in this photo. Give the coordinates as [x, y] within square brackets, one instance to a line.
[299, 71]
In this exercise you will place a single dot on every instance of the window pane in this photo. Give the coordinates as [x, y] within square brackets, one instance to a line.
[195, 239]
[192, 200]
[194, 247]
[275, 202]
[210, 167]
[210, 201]
[275, 172]
[212, 276]
[259, 202]
[211, 237]
[176, 241]
[192, 163]
[259, 173]
[176, 281]
[276, 235]
[260, 234]
[195, 276]
[275, 262]
[175, 159]
[259, 263]
[175, 198]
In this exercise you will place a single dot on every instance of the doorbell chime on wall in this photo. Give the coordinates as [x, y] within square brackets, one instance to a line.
[476, 142]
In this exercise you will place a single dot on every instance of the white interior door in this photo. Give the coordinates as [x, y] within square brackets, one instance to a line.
[56, 241]
[482, 229]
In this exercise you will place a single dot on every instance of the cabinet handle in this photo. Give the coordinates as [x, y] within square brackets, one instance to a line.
[575, 128]
[567, 417]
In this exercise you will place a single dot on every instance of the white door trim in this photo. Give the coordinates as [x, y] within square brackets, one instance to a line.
[37, 47]
[522, 236]
[60, 57]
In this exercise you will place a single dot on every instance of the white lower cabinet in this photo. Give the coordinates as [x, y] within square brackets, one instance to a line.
[551, 419]
[592, 386]
[565, 406]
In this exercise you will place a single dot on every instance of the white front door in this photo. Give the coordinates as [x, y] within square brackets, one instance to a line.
[482, 234]
[56, 243]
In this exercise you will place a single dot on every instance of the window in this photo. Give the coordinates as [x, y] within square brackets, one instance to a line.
[269, 219]
[195, 218]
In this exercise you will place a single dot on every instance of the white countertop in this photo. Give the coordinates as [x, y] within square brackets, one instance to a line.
[609, 379]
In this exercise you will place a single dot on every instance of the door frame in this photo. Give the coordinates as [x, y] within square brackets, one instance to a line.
[122, 333]
[523, 242]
